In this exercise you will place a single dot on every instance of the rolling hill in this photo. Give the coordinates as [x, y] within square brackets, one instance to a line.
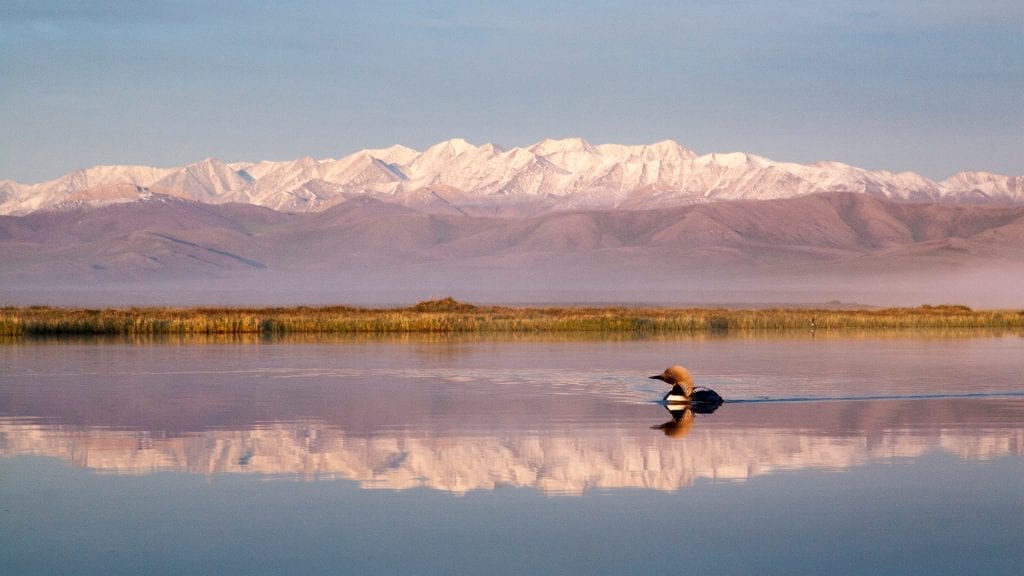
[847, 245]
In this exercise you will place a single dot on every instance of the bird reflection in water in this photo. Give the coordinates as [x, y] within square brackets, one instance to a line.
[684, 400]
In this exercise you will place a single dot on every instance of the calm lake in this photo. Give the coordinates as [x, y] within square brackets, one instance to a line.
[876, 454]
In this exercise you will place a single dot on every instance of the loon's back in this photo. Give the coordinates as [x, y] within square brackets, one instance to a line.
[705, 396]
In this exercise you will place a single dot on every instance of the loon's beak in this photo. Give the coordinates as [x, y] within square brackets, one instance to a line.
[658, 377]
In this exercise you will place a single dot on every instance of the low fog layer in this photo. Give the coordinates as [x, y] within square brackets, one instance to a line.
[990, 287]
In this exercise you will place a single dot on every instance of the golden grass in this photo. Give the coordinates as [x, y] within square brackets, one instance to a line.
[450, 316]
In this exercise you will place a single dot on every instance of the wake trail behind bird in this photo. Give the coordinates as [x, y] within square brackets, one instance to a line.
[795, 399]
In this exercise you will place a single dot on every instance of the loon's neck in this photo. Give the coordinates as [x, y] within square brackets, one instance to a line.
[677, 394]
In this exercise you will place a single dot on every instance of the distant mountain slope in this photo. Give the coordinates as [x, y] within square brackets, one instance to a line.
[163, 237]
[456, 176]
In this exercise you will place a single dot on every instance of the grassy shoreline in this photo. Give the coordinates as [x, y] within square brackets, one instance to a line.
[450, 316]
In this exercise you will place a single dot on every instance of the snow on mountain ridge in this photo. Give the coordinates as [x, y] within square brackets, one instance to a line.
[986, 184]
[396, 154]
[209, 180]
[560, 174]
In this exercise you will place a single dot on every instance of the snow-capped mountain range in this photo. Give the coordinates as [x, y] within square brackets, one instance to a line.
[454, 175]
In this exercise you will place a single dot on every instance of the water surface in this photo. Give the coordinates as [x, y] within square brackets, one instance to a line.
[878, 454]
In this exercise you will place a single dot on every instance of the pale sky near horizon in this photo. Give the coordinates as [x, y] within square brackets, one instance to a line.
[933, 87]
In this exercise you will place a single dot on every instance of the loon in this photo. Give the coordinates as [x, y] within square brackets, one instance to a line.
[683, 391]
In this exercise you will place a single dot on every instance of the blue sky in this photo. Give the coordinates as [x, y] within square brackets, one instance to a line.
[928, 86]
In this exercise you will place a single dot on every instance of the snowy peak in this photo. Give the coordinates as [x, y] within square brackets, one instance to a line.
[984, 185]
[571, 154]
[458, 145]
[548, 146]
[447, 150]
[664, 151]
[209, 180]
[732, 161]
[396, 154]
[8, 188]
[550, 175]
[137, 175]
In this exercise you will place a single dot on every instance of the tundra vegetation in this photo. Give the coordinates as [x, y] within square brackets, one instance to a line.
[451, 316]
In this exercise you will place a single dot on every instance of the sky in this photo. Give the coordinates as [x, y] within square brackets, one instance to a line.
[933, 87]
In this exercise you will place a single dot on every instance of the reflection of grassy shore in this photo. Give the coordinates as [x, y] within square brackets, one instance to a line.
[450, 316]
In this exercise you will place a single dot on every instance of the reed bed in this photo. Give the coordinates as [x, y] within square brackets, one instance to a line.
[451, 316]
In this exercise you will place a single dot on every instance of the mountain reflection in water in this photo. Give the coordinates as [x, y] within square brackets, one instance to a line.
[737, 443]
[453, 423]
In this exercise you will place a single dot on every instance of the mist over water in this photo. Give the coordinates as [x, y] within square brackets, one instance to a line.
[987, 287]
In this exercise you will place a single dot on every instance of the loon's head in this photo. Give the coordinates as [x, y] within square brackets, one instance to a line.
[677, 376]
